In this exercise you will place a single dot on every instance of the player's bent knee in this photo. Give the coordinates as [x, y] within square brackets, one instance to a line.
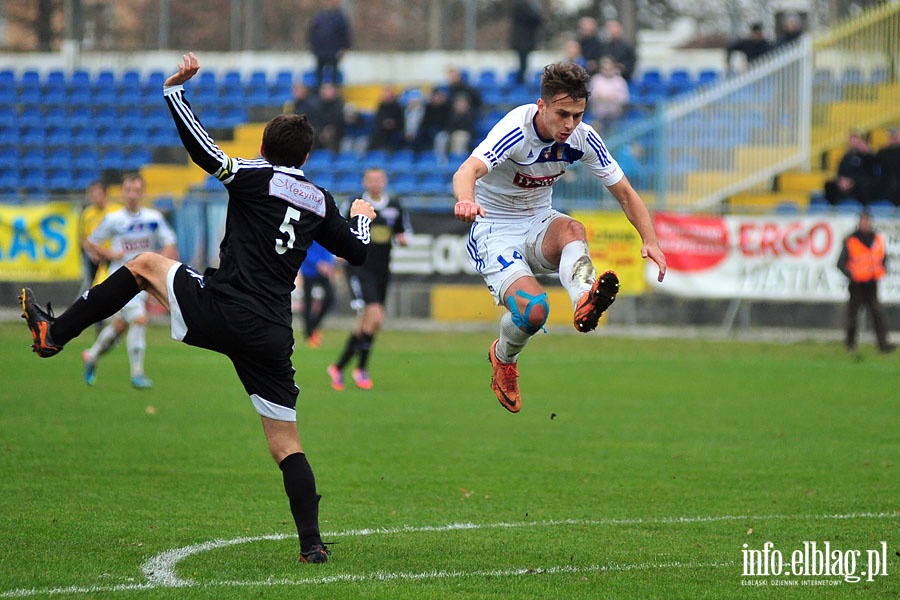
[534, 316]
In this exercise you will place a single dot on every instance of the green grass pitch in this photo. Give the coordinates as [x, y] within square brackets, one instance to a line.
[638, 468]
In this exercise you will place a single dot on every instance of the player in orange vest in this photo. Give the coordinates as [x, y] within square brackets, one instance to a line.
[862, 260]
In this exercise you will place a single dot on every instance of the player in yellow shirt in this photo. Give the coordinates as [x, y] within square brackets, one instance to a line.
[95, 267]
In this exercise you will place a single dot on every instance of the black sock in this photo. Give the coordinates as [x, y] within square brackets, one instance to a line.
[349, 351]
[364, 347]
[300, 485]
[101, 301]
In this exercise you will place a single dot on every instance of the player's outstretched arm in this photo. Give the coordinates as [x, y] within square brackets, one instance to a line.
[637, 213]
[199, 144]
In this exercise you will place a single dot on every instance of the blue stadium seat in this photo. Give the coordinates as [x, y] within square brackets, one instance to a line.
[112, 158]
[707, 77]
[86, 159]
[60, 180]
[33, 137]
[9, 117]
[403, 183]
[9, 158]
[34, 180]
[29, 79]
[849, 207]
[79, 78]
[55, 80]
[153, 84]
[9, 181]
[882, 209]
[7, 78]
[105, 79]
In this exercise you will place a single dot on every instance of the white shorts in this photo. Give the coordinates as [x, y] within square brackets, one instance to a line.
[504, 251]
[135, 309]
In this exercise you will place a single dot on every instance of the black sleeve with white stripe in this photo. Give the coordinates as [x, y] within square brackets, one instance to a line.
[198, 143]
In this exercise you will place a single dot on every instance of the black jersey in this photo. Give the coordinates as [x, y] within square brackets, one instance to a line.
[274, 215]
[390, 220]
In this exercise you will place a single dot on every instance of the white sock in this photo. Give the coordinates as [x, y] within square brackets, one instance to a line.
[576, 271]
[105, 340]
[137, 345]
[512, 340]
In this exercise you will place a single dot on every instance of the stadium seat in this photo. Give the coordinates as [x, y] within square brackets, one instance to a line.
[882, 209]
[9, 181]
[848, 207]
[9, 117]
[9, 158]
[105, 79]
[86, 159]
[79, 78]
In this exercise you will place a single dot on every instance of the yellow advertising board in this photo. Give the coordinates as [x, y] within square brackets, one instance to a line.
[616, 246]
[39, 243]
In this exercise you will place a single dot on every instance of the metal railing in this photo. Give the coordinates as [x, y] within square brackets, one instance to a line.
[737, 135]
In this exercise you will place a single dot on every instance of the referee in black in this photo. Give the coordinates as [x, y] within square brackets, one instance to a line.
[243, 308]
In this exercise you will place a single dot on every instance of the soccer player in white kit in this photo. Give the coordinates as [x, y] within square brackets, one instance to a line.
[130, 231]
[504, 188]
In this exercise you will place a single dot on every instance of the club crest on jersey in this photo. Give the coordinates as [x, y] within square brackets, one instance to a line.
[300, 194]
[530, 181]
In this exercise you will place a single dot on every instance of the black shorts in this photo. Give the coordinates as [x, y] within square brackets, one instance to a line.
[259, 349]
[367, 285]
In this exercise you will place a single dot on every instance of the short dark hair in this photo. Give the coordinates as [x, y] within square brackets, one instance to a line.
[566, 78]
[132, 176]
[287, 140]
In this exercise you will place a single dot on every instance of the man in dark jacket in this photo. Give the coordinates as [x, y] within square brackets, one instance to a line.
[329, 37]
[527, 20]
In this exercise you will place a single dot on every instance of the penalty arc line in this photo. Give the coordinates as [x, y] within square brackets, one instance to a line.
[160, 569]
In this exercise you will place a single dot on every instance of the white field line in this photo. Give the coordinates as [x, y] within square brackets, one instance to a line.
[160, 569]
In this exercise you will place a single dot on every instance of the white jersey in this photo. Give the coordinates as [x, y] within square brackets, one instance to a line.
[133, 233]
[522, 167]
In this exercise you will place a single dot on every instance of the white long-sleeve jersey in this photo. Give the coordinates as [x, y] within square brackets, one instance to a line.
[522, 167]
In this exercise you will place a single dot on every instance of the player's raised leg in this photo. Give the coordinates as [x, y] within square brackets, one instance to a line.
[50, 334]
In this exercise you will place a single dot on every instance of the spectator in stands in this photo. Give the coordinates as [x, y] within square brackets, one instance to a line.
[413, 115]
[572, 53]
[303, 102]
[329, 36]
[856, 174]
[456, 137]
[388, 127]
[591, 45]
[620, 50]
[330, 124]
[753, 48]
[862, 260]
[457, 86]
[356, 130]
[437, 113]
[791, 29]
[888, 161]
[525, 32]
[609, 96]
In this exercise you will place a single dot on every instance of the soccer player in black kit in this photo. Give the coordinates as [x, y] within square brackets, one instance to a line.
[243, 308]
[369, 282]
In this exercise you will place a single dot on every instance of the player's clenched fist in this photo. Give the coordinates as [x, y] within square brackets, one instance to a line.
[361, 207]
